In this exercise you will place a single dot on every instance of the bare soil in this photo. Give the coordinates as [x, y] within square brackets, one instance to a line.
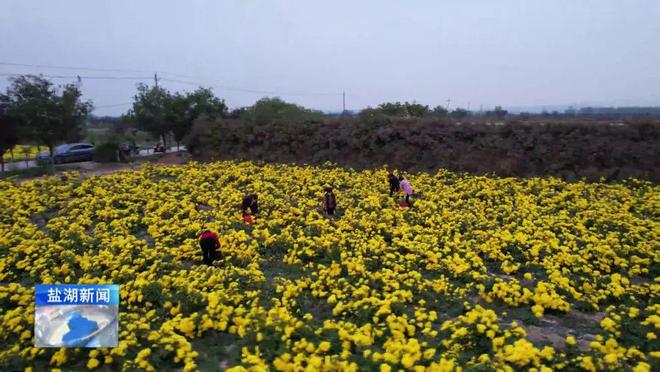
[90, 168]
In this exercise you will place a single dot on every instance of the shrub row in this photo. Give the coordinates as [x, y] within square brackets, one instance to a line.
[569, 150]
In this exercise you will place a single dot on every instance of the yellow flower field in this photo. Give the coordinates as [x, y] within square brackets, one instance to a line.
[21, 151]
[482, 273]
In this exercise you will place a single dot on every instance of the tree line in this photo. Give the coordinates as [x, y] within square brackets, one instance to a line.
[36, 111]
[418, 110]
[403, 134]
[406, 137]
[161, 112]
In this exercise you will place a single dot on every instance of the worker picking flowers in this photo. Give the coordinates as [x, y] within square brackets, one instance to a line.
[483, 272]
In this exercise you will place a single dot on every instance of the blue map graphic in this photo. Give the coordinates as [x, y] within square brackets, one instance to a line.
[79, 328]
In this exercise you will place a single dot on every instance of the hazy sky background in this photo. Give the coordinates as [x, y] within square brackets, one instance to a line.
[505, 52]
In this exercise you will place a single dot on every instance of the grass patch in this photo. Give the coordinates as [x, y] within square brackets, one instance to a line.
[218, 351]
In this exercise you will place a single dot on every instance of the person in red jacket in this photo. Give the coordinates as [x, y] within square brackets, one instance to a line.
[209, 243]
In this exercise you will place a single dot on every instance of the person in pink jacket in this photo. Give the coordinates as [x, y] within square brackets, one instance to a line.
[405, 187]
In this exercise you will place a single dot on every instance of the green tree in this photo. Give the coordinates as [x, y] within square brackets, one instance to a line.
[276, 111]
[440, 111]
[405, 109]
[150, 111]
[45, 113]
[183, 110]
[459, 113]
[498, 113]
[393, 109]
[8, 136]
[416, 109]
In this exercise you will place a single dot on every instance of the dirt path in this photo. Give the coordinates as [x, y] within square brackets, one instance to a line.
[102, 169]
[173, 158]
[89, 168]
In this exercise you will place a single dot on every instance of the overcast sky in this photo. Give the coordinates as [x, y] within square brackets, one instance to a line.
[505, 52]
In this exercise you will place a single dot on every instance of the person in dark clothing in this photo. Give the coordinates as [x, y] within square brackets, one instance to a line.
[134, 149]
[394, 183]
[250, 202]
[209, 243]
[329, 201]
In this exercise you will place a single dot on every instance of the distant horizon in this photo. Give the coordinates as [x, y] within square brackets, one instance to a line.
[117, 108]
[514, 109]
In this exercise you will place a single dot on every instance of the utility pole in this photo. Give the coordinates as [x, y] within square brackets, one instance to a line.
[156, 78]
[343, 101]
[448, 101]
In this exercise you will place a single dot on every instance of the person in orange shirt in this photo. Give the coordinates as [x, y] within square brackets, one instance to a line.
[251, 203]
